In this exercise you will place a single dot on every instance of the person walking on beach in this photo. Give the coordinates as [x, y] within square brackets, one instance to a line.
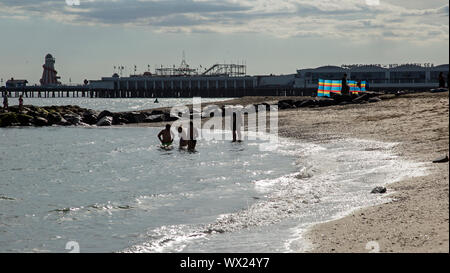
[345, 87]
[5, 101]
[165, 136]
[192, 136]
[441, 80]
[20, 103]
[183, 138]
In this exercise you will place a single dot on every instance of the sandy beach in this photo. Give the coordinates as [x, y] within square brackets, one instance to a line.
[416, 218]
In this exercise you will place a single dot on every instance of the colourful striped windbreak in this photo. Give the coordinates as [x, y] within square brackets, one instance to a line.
[320, 90]
[336, 86]
[325, 87]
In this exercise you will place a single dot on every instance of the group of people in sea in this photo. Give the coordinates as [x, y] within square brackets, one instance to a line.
[188, 138]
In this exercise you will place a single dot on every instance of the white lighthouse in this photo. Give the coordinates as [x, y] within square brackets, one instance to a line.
[49, 76]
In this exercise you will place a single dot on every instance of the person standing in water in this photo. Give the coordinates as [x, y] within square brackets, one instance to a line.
[183, 138]
[236, 124]
[192, 136]
[165, 136]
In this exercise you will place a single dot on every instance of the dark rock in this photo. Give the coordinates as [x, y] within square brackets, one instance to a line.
[374, 99]
[379, 190]
[105, 121]
[134, 117]
[363, 97]
[24, 120]
[154, 118]
[168, 117]
[119, 120]
[156, 112]
[103, 114]
[307, 103]
[324, 103]
[286, 104]
[439, 90]
[40, 121]
[90, 117]
[54, 118]
[74, 119]
[442, 159]
[64, 122]
[8, 119]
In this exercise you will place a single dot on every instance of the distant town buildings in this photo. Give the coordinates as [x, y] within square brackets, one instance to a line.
[12, 83]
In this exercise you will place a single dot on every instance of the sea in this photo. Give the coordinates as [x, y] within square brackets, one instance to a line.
[91, 189]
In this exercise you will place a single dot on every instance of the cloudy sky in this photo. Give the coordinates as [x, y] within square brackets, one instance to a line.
[270, 36]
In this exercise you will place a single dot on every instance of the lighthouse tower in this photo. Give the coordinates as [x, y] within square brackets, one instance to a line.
[49, 76]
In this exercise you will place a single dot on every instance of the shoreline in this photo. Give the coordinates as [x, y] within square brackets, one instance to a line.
[416, 220]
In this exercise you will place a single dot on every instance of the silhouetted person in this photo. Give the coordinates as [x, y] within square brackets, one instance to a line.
[165, 136]
[183, 137]
[192, 135]
[441, 80]
[20, 103]
[236, 124]
[5, 101]
[345, 87]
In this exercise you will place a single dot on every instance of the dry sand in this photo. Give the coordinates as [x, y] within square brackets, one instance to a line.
[416, 220]
[416, 217]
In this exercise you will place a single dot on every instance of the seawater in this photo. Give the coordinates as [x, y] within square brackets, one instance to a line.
[115, 190]
[113, 105]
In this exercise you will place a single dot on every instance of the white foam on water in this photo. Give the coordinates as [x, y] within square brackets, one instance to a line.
[333, 180]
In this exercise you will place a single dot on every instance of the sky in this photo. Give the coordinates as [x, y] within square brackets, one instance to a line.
[89, 37]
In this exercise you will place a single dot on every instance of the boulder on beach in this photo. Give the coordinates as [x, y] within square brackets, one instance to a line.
[40, 121]
[105, 121]
[374, 99]
[168, 117]
[54, 118]
[103, 114]
[90, 117]
[379, 190]
[134, 117]
[286, 104]
[64, 122]
[441, 159]
[8, 119]
[154, 118]
[74, 119]
[305, 103]
[326, 102]
[24, 120]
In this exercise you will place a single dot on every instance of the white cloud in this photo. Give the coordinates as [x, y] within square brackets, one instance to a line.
[346, 19]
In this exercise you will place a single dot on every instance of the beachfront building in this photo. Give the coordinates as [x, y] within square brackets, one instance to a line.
[161, 86]
[16, 83]
[378, 76]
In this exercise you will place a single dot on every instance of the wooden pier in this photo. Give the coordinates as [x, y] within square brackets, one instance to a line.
[84, 91]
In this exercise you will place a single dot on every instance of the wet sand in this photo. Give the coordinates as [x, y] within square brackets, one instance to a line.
[415, 217]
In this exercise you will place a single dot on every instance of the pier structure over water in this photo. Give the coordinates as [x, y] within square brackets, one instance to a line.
[230, 80]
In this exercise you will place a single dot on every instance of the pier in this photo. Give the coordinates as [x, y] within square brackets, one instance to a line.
[88, 92]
